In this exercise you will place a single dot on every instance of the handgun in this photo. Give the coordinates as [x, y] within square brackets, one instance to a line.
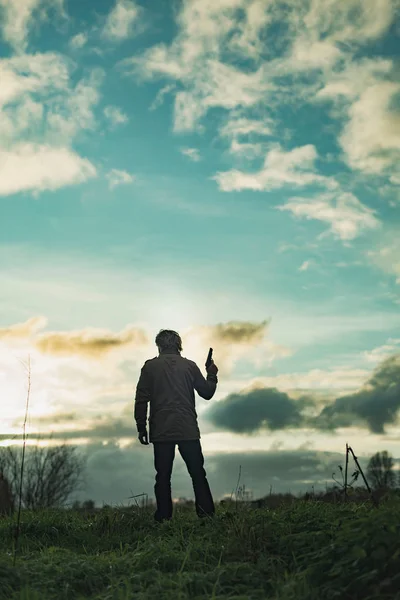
[209, 358]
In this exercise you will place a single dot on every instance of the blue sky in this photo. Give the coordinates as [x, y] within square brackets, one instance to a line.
[230, 170]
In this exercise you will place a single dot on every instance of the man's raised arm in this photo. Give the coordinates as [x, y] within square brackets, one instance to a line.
[205, 387]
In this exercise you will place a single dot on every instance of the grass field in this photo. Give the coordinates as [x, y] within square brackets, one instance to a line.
[308, 550]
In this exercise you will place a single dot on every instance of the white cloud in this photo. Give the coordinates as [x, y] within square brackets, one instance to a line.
[32, 74]
[16, 16]
[41, 114]
[354, 79]
[117, 177]
[120, 21]
[354, 21]
[387, 255]
[38, 102]
[23, 330]
[31, 167]
[347, 216]
[319, 36]
[320, 33]
[242, 126]
[188, 112]
[246, 149]
[323, 37]
[246, 38]
[159, 99]
[203, 26]
[156, 62]
[229, 87]
[344, 264]
[191, 153]
[371, 139]
[217, 85]
[364, 94]
[308, 55]
[305, 266]
[295, 167]
[115, 115]
[323, 33]
[237, 128]
[194, 58]
[382, 352]
[75, 114]
[78, 41]
[283, 246]
[342, 378]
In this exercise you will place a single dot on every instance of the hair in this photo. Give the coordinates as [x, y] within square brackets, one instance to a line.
[166, 339]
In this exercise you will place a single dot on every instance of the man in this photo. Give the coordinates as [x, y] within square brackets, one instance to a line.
[168, 381]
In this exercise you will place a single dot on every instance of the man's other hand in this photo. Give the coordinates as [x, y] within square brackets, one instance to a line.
[143, 439]
[212, 369]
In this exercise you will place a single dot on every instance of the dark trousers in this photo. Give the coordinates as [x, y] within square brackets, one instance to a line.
[164, 454]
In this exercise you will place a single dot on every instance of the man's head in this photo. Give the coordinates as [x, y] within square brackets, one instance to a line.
[166, 339]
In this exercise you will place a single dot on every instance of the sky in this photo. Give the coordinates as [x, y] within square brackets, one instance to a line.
[230, 170]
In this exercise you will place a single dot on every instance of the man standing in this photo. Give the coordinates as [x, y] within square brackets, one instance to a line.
[168, 381]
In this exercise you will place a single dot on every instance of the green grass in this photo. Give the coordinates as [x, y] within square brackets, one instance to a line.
[308, 550]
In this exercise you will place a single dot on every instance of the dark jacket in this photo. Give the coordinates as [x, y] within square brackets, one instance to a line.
[168, 381]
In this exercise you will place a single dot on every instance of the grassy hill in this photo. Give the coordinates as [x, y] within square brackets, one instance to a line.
[302, 550]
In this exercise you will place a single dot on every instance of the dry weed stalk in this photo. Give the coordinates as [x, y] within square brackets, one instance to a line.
[17, 531]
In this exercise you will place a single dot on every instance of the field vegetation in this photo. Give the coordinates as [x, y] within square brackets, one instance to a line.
[309, 548]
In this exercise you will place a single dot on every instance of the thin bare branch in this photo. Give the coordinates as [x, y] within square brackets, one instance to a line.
[22, 462]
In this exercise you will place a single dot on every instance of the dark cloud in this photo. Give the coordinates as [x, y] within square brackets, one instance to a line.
[89, 343]
[249, 411]
[376, 404]
[240, 331]
[55, 419]
[103, 428]
[114, 474]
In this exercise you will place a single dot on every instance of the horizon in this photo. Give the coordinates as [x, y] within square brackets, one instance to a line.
[227, 170]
